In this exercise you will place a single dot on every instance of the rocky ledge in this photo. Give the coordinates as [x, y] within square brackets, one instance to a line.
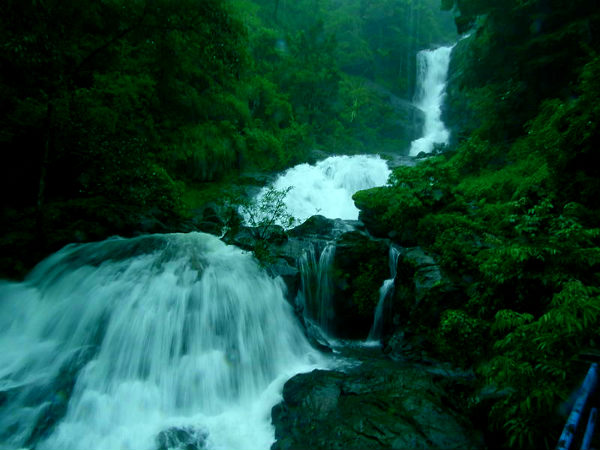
[373, 405]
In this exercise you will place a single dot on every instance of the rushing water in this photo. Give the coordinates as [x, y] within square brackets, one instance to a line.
[432, 73]
[386, 289]
[163, 341]
[316, 294]
[327, 187]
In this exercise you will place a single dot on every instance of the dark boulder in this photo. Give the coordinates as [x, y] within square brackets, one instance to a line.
[289, 274]
[243, 237]
[323, 228]
[209, 221]
[378, 404]
[181, 438]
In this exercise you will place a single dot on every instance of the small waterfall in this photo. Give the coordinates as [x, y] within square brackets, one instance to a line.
[163, 341]
[386, 289]
[316, 295]
[432, 73]
[327, 187]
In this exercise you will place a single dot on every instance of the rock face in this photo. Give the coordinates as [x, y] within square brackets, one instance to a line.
[378, 404]
[422, 291]
[457, 112]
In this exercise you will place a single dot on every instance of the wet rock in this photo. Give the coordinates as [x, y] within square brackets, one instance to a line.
[422, 290]
[323, 228]
[181, 438]
[427, 273]
[242, 237]
[457, 112]
[378, 404]
[289, 274]
[209, 221]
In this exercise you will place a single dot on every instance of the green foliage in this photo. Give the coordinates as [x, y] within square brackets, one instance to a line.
[460, 337]
[536, 359]
[365, 286]
[566, 134]
[113, 92]
[267, 211]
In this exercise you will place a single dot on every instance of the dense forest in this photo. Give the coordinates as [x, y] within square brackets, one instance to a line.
[125, 117]
[118, 113]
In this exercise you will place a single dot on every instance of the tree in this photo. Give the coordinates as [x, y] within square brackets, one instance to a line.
[267, 211]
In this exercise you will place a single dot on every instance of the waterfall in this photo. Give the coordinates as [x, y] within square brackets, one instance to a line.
[316, 293]
[327, 187]
[156, 342]
[386, 289]
[432, 72]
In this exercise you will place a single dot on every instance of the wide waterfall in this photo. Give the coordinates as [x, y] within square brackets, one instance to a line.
[156, 342]
[326, 188]
[432, 72]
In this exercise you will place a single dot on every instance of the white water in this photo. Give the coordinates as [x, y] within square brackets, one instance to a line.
[432, 73]
[316, 292]
[155, 332]
[376, 331]
[327, 187]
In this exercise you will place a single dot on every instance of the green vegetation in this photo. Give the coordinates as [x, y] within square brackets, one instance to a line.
[123, 111]
[512, 210]
[124, 117]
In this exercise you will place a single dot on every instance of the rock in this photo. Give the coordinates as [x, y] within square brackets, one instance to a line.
[289, 274]
[422, 291]
[378, 404]
[427, 273]
[317, 232]
[181, 438]
[276, 234]
[323, 228]
[55, 398]
[209, 221]
[242, 237]
[315, 335]
[373, 204]
[457, 113]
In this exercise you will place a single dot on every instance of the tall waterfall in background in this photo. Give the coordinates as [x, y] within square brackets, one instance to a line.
[432, 73]
[386, 289]
[327, 187]
[163, 341]
[316, 293]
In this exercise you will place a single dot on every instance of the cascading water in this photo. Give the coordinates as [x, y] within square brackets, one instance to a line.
[327, 187]
[162, 341]
[316, 292]
[385, 291]
[432, 72]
